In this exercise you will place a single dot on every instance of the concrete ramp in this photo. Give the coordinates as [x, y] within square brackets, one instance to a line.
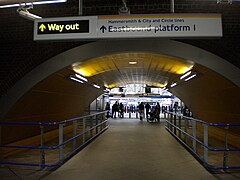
[131, 149]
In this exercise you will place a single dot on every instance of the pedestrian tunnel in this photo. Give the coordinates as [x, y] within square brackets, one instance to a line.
[48, 93]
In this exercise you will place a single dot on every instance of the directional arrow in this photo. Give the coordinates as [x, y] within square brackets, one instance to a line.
[42, 27]
[103, 28]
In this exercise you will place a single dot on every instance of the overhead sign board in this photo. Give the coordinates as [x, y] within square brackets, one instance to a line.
[161, 25]
[129, 26]
[63, 27]
[67, 28]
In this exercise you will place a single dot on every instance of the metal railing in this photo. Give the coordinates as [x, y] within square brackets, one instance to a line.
[208, 142]
[79, 132]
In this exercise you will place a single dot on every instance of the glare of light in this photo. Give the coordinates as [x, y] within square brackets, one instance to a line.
[160, 85]
[32, 3]
[185, 75]
[80, 77]
[185, 69]
[190, 77]
[82, 71]
[110, 86]
[106, 90]
[132, 62]
[96, 86]
[174, 84]
[49, 2]
[75, 79]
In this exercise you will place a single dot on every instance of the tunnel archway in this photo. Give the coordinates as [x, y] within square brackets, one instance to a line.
[102, 48]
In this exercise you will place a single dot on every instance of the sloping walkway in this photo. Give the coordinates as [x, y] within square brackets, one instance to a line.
[131, 149]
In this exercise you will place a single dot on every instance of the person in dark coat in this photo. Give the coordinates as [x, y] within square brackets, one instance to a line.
[107, 108]
[157, 111]
[114, 109]
[141, 110]
[147, 107]
[121, 109]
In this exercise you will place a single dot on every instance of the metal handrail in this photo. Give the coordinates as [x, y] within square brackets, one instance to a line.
[204, 122]
[200, 142]
[50, 123]
[52, 147]
[60, 146]
[170, 125]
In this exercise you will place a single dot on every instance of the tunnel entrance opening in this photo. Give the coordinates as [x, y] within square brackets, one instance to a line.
[130, 96]
[49, 94]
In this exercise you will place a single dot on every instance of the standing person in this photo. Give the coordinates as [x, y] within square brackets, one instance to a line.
[121, 109]
[147, 107]
[157, 111]
[118, 109]
[107, 108]
[175, 107]
[186, 111]
[141, 110]
[114, 109]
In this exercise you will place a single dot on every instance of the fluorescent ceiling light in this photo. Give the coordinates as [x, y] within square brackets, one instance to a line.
[107, 89]
[75, 79]
[190, 77]
[174, 84]
[96, 86]
[185, 75]
[32, 3]
[132, 62]
[80, 77]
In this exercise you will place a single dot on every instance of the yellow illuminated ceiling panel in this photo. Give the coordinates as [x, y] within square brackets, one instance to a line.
[94, 66]
[115, 69]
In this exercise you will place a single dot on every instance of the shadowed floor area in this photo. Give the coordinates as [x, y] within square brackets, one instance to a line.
[131, 149]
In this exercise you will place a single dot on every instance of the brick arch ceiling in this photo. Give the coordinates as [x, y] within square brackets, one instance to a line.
[20, 54]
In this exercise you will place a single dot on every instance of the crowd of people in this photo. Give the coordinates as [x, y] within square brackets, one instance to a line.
[118, 110]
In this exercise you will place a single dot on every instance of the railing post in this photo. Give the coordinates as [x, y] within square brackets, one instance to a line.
[74, 133]
[194, 135]
[179, 125]
[129, 115]
[96, 119]
[225, 154]
[42, 152]
[175, 123]
[102, 119]
[185, 129]
[171, 120]
[61, 133]
[91, 125]
[84, 130]
[205, 142]
[168, 125]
